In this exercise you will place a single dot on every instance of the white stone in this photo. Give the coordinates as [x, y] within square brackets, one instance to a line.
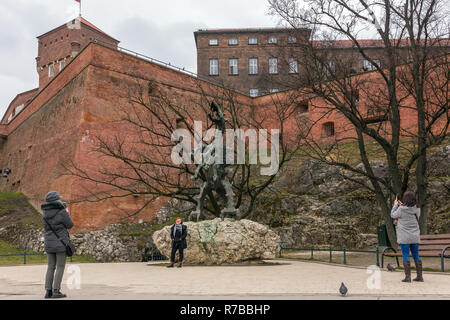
[223, 242]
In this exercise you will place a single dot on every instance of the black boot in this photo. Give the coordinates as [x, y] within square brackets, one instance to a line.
[170, 265]
[419, 277]
[57, 294]
[48, 294]
[407, 266]
[180, 264]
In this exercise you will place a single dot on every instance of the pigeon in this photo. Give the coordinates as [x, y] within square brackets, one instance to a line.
[390, 268]
[343, 289]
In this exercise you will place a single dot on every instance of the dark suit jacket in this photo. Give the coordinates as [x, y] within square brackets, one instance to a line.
[183, 236]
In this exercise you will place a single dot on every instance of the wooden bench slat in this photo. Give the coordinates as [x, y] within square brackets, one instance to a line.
[421, 254]
[435, 236]
[424, 245]
[432, 247]
[443, 242]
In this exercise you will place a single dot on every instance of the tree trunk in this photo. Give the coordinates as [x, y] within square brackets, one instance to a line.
[422, 191]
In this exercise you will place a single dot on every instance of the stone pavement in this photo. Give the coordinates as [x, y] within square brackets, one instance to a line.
[287, 281]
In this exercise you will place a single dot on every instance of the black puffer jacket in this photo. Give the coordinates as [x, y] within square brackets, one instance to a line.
[181, 237]
[56, 215]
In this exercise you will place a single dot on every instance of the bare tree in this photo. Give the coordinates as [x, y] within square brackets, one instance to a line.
[137, 157]
[411, 77]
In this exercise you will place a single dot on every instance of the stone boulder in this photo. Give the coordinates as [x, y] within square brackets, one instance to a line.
[223, 242]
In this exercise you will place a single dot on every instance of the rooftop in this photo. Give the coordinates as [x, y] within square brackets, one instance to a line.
[248, 30]
[82, 21]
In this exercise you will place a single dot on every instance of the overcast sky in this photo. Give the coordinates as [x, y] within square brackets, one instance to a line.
[159, 29]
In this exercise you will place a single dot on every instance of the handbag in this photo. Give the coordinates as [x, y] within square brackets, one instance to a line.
[70, 248]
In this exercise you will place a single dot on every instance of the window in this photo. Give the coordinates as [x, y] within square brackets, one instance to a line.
[328, 129]
[252, 41]
[253, 66]
[292, 40]
[273, 65]
[303, 107]
[293, 65]
[213, 42]
[331, 66]
[20, 108]
[254, 92]
[51, 70]
[233, 63]
[368, 66]
[355, 96]
[214, 67]
[233, 42]
[273, 40]
[62, 64]
[328, 68]
[274, 90]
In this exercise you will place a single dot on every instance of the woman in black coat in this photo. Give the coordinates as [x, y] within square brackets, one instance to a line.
[56, 217]
[178, 234]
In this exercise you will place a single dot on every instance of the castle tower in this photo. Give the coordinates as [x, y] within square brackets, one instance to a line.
[59, 46]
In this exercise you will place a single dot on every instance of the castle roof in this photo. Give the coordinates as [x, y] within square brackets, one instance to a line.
[82, 21]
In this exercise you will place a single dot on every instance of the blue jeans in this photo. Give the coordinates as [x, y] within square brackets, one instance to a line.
[414, 251]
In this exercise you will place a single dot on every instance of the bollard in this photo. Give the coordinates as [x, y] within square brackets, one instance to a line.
[312, 253]
[25, 257]
[331, 254]
[378, 256]
[345, 255]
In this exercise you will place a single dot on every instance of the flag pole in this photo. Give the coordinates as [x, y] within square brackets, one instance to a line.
[80, 8]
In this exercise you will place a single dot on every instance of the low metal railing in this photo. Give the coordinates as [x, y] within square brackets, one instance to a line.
[331, 250]
[25, 254]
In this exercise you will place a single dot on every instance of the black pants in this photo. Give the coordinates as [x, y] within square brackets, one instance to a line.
[177, 246]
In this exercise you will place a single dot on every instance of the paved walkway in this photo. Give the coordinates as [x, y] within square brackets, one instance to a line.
[289, 280]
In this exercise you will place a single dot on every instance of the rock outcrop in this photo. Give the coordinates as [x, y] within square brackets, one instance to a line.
[123, 242]
[223, 242]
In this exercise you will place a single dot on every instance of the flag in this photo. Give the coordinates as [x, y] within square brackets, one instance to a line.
[78, 1]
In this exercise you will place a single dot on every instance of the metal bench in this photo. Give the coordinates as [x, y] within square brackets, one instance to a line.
[435, 245]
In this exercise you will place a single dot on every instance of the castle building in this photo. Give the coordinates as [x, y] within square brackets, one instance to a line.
[242, 58]
[83, 75]
[261, 61]
[266, 60]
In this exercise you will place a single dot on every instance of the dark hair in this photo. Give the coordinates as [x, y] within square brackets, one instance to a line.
[409, 199]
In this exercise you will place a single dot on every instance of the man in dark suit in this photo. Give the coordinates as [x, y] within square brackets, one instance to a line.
[178, 234]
